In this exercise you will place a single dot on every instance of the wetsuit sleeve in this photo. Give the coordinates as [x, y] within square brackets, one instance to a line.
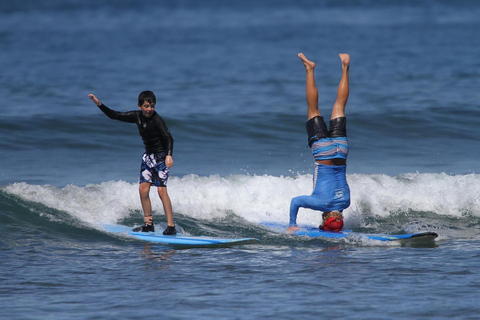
[294, 205]
[165, 136]
[121, 116]
[293, 219]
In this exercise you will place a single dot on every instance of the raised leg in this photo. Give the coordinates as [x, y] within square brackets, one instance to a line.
[343, 88]
[311, 88]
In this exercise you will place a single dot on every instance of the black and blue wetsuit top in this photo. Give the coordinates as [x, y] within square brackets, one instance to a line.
[154, 132]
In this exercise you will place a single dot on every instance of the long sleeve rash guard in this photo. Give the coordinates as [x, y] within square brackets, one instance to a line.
[154, 132]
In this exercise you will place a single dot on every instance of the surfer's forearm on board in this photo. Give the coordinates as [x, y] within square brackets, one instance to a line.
[293, 218]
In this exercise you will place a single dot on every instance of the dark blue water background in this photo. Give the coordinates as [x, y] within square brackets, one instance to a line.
[232, 91]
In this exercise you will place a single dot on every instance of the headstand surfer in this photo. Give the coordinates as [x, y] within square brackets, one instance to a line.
[157, 158]
[331, 193]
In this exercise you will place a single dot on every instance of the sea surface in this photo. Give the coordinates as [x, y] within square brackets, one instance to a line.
[231, 89]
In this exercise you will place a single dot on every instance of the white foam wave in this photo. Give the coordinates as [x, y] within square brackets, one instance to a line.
[442, 194]
[263, 198]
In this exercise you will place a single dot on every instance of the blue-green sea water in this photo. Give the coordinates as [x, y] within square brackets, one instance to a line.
[231, 89]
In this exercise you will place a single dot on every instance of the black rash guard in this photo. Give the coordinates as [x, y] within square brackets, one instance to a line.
[154, 132]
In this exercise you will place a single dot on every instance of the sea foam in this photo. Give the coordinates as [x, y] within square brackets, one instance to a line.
[263, 198]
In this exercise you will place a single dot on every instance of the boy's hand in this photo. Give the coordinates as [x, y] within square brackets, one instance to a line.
[169, 161]
[292, 229]
[94, 99]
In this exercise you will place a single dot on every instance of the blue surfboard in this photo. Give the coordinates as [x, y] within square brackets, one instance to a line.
[179, 239]
[317, 233]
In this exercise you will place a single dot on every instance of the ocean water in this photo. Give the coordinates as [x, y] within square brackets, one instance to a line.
[231, 88]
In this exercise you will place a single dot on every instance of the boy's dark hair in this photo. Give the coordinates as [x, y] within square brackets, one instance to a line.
[148, 96]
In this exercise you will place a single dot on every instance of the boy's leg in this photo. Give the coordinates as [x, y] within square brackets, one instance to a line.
[343, 88]
[144, 191]
[311, 88]
[167, 205]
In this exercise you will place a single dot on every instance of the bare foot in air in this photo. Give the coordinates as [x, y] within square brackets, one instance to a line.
[309, 65]
[345, 58]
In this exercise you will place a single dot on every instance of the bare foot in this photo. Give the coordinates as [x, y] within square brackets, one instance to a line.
[309, 65]
[345, 58]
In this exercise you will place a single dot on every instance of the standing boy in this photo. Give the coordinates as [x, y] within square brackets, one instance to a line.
[157, 158]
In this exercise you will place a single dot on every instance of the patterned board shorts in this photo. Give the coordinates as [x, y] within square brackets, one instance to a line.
[328, 143]
[154, 170]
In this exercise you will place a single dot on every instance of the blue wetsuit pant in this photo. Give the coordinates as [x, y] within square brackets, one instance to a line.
[331, 192]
